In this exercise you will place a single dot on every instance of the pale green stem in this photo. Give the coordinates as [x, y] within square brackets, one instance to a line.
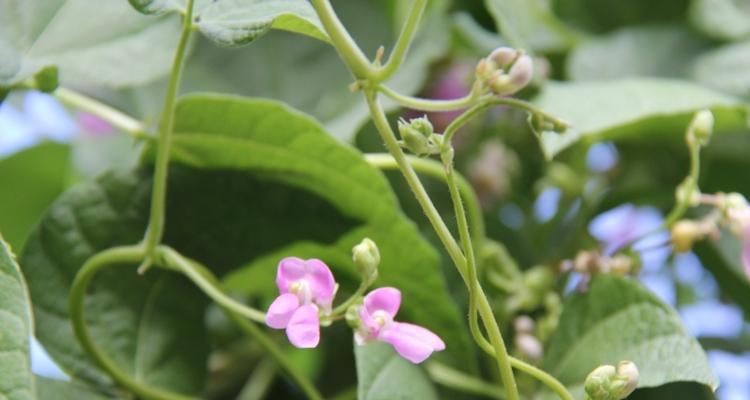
[116, 256]
[454, 379]
[155, 229]
[491, 101]
[277, 354]
[430, 167]
[386, 133]
[403, 42]
[116, 118]
[684, 202]
[421, 104]
[260, 381]
[341, 308]
[342, 41]
[203, 278]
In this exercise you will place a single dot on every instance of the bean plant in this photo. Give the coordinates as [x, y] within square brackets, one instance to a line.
[352, 231]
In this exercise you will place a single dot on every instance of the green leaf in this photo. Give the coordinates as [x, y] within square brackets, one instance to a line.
[721, 19]
[107, 44]
[151, 325]
[655, 50]
[16, 380]
[35, 176]
[238, 22]
[618, 319]
[723, 259]
[725, 68]
[530, 25]
[63, 390]
[267, 138]
[631, 108]
[606, 15]
[384, 375]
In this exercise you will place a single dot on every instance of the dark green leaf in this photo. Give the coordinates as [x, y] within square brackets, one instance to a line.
[16, 380]
[632, 108]
[107, 43]
[721, 19]
[267, 138]
[35, 176]
[384, 375]
[618, 319]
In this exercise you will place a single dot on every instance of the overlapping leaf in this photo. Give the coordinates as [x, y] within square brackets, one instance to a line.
[384, 375]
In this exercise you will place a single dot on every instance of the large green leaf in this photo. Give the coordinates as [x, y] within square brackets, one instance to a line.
[618, 319]
[237, 22]
[150, 325]
[652, 50]
[16, 380]
[721, 19]
[384, 375]
[280, 144]
[531, 25]
[726, 68]
[35, 176]
[64, 390]
[631, 108]
[106, 43]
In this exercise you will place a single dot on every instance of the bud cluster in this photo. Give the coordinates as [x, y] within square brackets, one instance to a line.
[505, 71]
[588, 262]
[418, 136]
[609, 383]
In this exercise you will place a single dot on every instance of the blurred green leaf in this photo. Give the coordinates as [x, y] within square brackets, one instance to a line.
[618, 319]
[675, 390]
[238, 22]
[16, 379]
[104, 44]
[32, 178]
[530, 25]
[384, 375]
[723, 259]
[266, 137]
[64, 390]
[631, 108]
[656, 50]
[726, 68]
[721, 19]
[607, 15]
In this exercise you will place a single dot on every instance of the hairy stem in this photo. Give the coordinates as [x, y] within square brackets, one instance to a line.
[115, 257]
[408, 30]
[155, 229]
[117, 118]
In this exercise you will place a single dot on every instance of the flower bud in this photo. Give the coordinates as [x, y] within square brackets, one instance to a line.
[366, 257]
[702, 126]
[597, 384]
[417, 136]
[626, 380]
[505, 71]
[504, 56]
[529, 346]
[609, 383]
[684, 234]
[521, 72]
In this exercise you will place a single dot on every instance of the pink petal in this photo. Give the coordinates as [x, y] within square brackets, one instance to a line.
[386, 299]
[290, 269]
[281, 310]
[406, 345]
[321, 281]
[422, 334]
[303, 329]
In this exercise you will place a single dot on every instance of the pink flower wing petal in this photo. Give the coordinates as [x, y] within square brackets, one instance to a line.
[303, 329]
[407, 346]
[281, 311]
[422, 334]
[321, 281]
[290, 269]
[386, 299]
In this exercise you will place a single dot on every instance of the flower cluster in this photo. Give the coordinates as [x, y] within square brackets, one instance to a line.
[505, 71]
[307, 289]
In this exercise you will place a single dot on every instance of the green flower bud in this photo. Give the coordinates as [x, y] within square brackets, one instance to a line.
[418, 136]
[684, 234]
[505, 71]
[352, 316]
[598, 382]
[702, 126]
[366, 257]
[626, 380]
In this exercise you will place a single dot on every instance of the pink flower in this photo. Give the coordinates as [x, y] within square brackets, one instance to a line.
[412, 342]
[307, 288]
[739, 223]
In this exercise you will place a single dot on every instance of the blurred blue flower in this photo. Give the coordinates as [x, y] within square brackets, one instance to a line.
[41, 117]
[601, 157]
[546, 204]
[660, 284]
[732, 370]
[712, 318]
[511, 216]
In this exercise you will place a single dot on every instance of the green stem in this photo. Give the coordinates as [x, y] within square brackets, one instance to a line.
[155, 229]
[115, 117]
[403, 42]
[491, 101]
[427, 166]
[203, 278]
[260, 381]
[342, 41]
[454, 379]
[341, 308]
[454, 251]
[117, 256]
[417, 103]
[689, 187]
[276, 353]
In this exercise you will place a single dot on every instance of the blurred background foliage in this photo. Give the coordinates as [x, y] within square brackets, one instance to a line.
[543, 211]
